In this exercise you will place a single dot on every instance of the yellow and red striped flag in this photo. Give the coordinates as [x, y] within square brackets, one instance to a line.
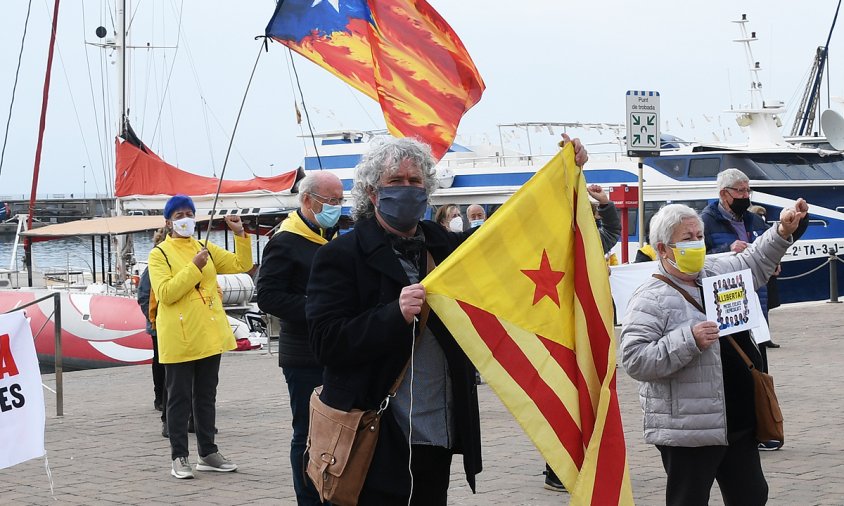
[401, 53]
[527, 297]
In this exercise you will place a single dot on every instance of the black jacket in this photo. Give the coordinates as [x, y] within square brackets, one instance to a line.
[359, 334]
[719, 234]
[610, 229]
[281, 286]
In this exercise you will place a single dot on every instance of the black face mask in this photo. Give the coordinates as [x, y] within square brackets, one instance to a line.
[739, 206]
[402, 206]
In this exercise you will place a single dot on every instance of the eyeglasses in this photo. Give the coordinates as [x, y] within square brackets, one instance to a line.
[326, 200]
[746, 191]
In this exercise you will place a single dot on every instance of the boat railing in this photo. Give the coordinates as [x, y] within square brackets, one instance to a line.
[57, 327]
[519, 160]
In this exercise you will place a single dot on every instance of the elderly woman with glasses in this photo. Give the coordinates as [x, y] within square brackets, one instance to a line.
[696, 391]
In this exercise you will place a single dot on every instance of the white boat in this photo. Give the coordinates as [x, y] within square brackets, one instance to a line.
[780, 171]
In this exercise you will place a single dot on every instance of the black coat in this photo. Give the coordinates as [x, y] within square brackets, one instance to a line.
[358, 333]
[282, 282]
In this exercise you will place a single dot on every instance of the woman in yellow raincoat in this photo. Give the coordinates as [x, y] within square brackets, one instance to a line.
[193, 330]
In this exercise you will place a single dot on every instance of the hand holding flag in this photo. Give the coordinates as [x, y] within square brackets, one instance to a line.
[529, 303]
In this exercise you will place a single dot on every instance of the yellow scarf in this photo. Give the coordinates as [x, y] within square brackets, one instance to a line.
[647, 249]
[294, 224]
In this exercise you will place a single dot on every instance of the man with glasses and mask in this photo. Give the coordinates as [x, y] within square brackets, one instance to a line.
[364, 297]
[728, 226]
[282, 284]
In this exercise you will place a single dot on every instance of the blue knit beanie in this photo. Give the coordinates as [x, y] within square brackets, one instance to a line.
[177, 202]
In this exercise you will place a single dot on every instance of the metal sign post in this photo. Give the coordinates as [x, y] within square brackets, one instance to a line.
[642, 138]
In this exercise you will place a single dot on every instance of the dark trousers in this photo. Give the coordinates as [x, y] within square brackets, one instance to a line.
[737, 468]
[763, 350]
[192, 383]
[431, 467]
[301, 381]
[158, 387]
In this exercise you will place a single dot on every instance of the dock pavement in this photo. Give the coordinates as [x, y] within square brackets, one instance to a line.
[108, 449]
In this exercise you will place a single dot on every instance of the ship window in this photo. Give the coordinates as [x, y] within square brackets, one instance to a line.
[670, 166]
[704, 167]
[834, 168]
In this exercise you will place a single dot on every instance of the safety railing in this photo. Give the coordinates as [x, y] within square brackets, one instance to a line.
[832, 261]
[57, 324]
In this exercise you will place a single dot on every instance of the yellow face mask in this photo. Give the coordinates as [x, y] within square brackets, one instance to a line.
[689, 256]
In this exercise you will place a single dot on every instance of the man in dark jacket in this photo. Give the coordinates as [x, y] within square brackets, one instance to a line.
[363, 299]
[282, 283]
[728, 226]
[609, 226]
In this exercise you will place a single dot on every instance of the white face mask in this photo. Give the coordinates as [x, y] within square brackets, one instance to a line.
[456, 224]
[184, 227]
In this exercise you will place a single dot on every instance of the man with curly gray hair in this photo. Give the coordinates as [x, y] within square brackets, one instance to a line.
[387, 158]
[363, 300]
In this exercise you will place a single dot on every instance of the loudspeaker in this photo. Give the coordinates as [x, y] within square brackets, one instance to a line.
[833, 127]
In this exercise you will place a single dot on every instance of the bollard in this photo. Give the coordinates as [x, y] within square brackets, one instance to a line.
[833, 278]
[57, 323]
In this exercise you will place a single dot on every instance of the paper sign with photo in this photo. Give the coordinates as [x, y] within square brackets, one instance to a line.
[729, 301]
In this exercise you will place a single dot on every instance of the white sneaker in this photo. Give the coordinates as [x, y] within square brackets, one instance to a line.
[181, 469]
[215, 462]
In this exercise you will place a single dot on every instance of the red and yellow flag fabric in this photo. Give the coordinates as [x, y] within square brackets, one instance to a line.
[401, 53]
[528, 299]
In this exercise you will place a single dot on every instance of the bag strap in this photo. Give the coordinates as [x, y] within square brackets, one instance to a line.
[696, 304]
[423, 323]
[684, 293]
[741, 352]
[159, 248]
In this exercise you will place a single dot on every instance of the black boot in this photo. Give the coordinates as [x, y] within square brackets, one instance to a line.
[552, 482]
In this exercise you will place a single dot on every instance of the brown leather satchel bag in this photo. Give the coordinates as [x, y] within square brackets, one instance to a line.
[340, 449]
[769, 421]
[341, 444]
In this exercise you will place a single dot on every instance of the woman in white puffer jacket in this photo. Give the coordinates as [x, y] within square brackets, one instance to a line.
[696, 391]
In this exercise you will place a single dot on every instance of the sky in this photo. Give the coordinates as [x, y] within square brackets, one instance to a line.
[541, 60]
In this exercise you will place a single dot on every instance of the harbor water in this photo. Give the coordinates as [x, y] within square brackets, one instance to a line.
[74, 253]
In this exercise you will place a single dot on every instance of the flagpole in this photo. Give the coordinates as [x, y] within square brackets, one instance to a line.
[231, 143]
[641, 225]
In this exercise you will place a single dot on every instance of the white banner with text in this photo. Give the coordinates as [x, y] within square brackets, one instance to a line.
[22, 414]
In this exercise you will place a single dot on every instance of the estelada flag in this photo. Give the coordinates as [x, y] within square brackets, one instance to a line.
[527, 297]
[401, 53]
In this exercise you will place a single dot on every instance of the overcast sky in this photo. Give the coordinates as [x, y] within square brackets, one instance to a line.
[542, 60]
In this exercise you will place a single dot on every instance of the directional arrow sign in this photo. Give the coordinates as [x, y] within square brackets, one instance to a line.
[643, 117]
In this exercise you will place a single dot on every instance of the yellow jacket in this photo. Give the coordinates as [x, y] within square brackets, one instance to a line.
[190, 321]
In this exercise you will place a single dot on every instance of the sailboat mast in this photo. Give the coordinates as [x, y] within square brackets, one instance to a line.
[42, 123]
[121, 66]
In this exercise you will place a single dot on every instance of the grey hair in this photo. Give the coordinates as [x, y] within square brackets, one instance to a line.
[312, 182]
[730, 177]
[307, 184]
[666, 220]
[384, 157]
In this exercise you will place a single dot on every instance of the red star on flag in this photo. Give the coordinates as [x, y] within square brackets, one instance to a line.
[546, 280]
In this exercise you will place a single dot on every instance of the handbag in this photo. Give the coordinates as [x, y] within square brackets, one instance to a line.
[340, 449]
[341, 444]
[769, 420]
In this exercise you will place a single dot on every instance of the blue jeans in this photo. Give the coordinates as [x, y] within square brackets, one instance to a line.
[301, 381]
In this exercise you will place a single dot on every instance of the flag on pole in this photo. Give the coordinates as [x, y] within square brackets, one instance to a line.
[401, 53]
[527, 297]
